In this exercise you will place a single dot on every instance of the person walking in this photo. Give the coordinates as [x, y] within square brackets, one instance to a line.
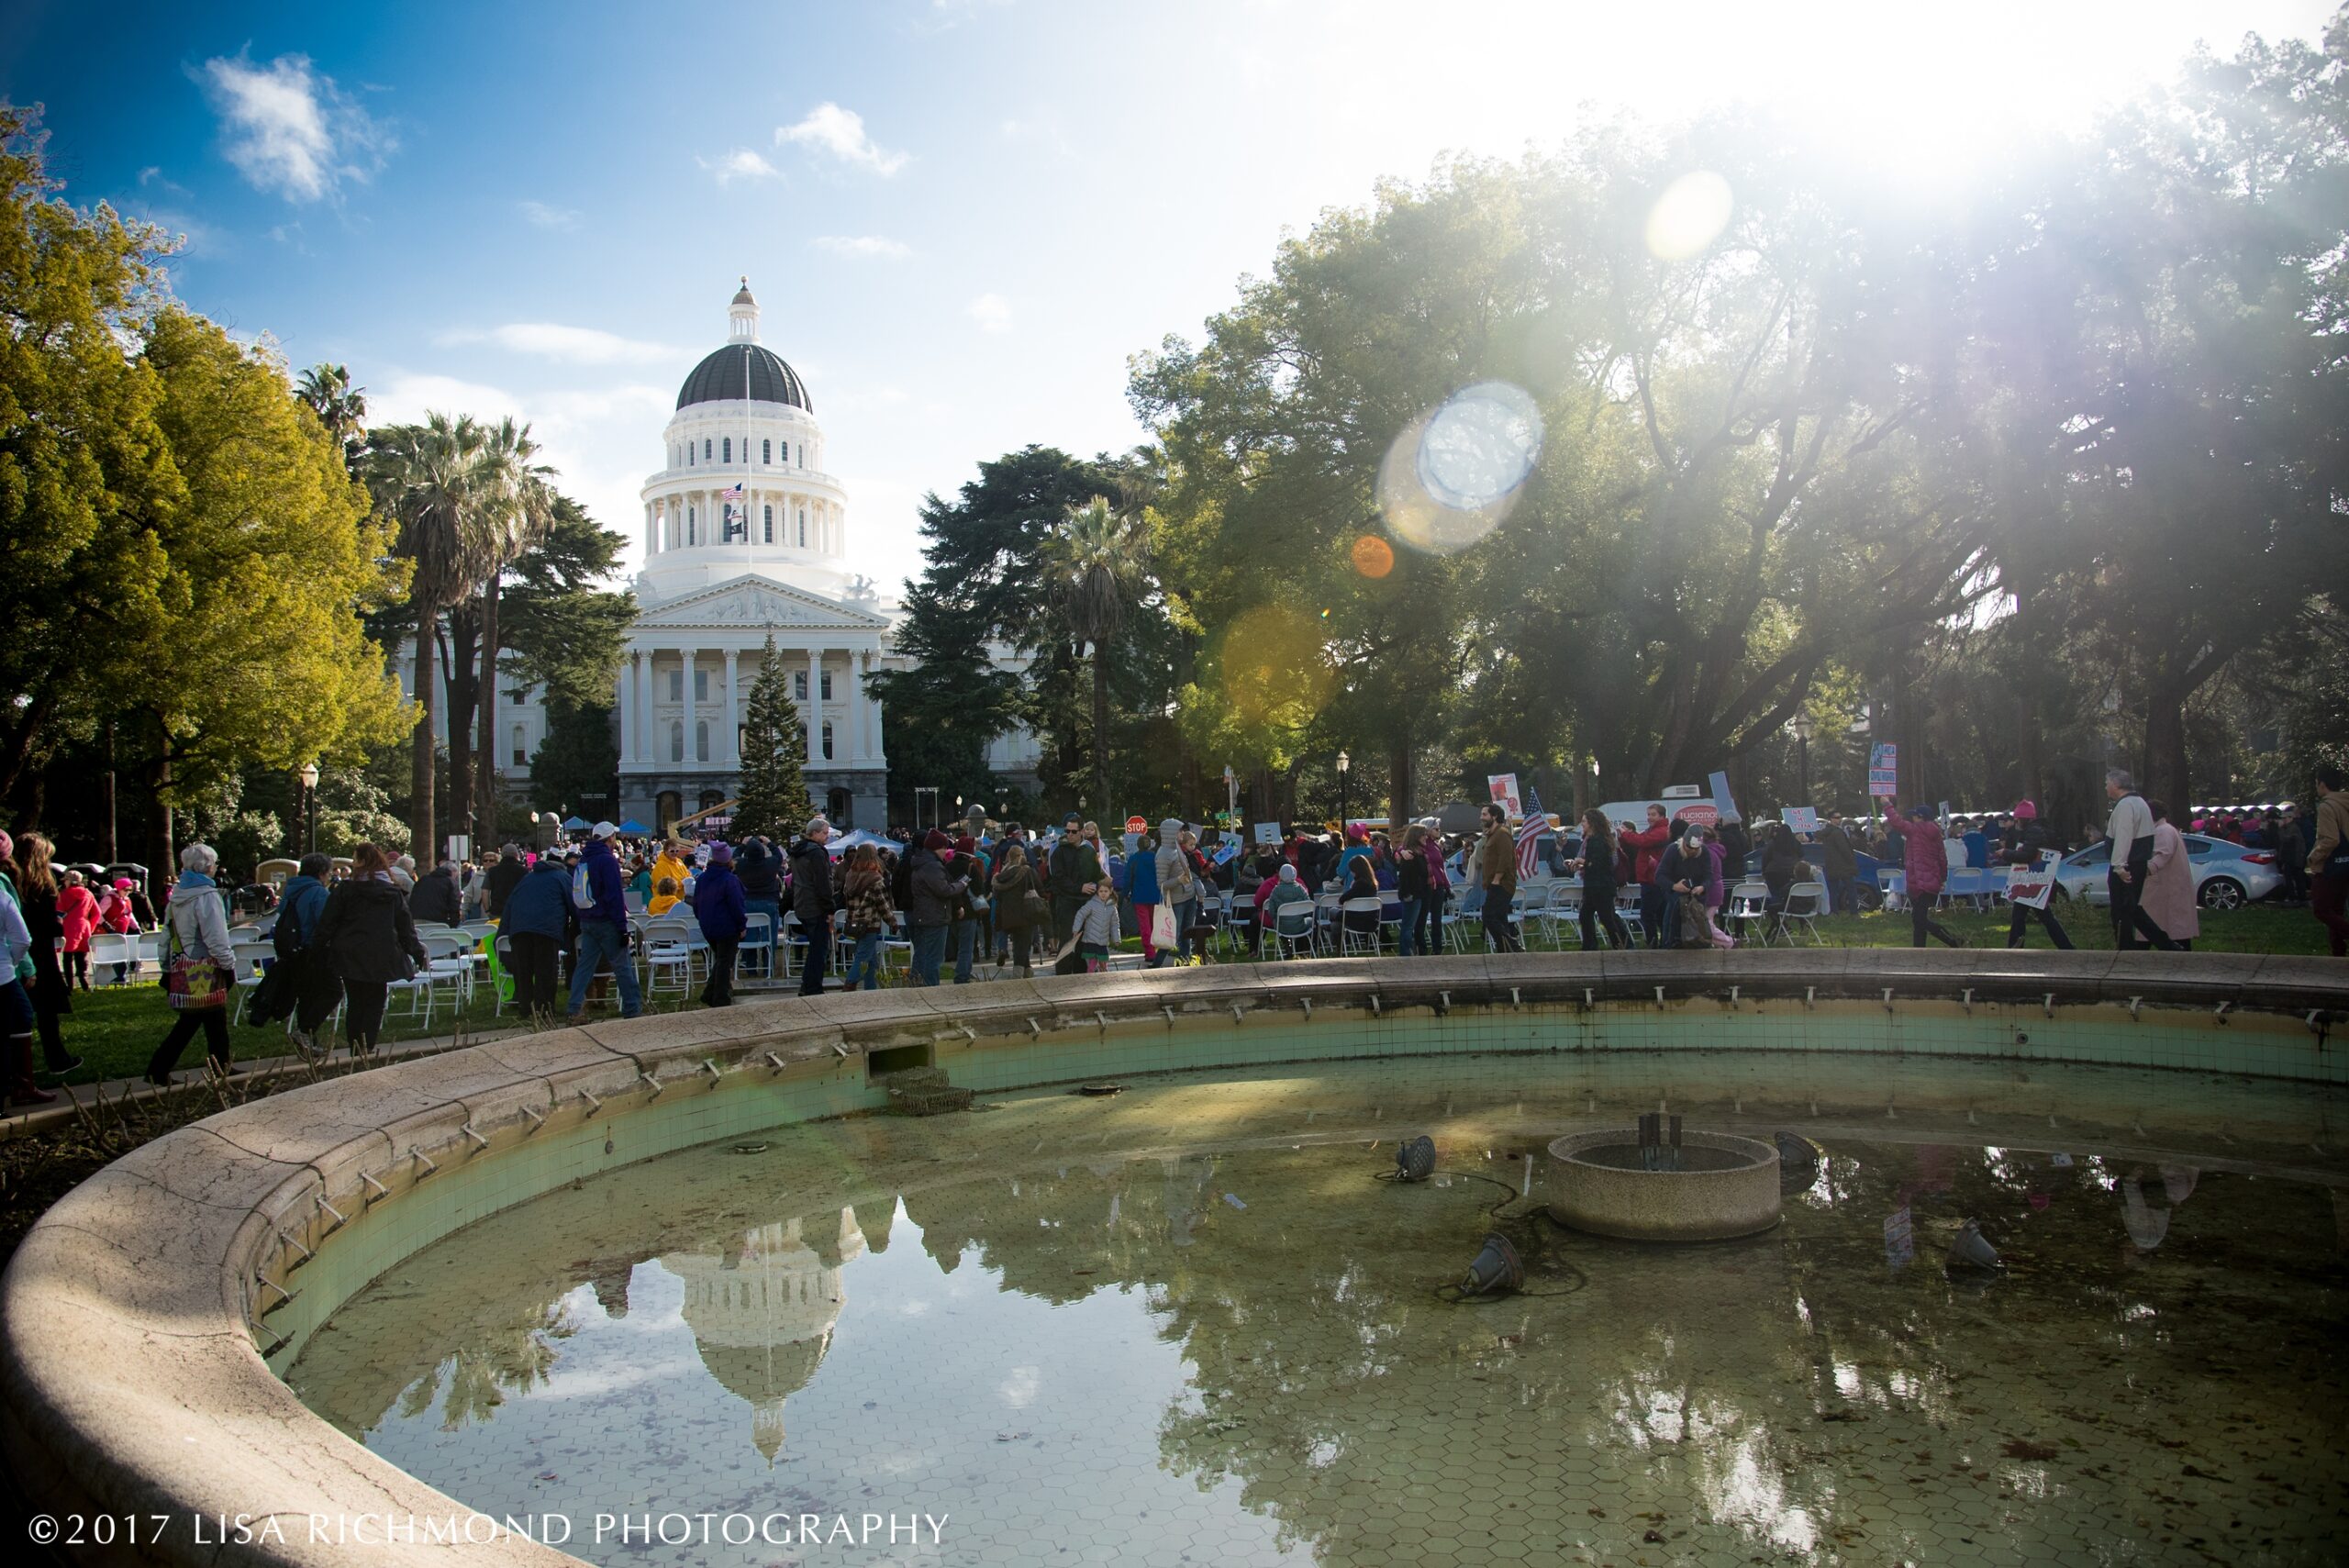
[77, 916]
[2021, 850]
[1412, 885]
[717, 909]
[970, 909]
[503, 878]
[2328, 859]
[865, 892]
[1839, 863]
[1926, 867]
[1596, 865]
[1142, 891]
[812, 901]
[1648, 846]
[537, 928]
[1178, 885]
[2131, 831]
[932, 892]
[39, 894]
[1496, 874]
[198, 948]
[16, 1022]
[597, 894]
[2169, 897]
[316, 989]
[1017, 901]
[758, 866]
[1070, 871]
[1094, 933]
[370, 937]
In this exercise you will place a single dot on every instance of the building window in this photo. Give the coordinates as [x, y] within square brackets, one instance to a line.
[701, 686]
[727, 456]
[769, 524]
[803, 527]
[766, 451]
[828, 740]
[800, 685]
[701, 740]
[521, 752]
[677, 686]
[689, 454]
[676, 740]
[689, 525]
[705, 449]
[827, 687]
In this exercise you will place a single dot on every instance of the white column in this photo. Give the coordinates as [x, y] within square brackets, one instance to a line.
[880, 752]
[646, 730]
[855, 751]
[815, 706]
[691, 754]
[733, 750]
[625, 697]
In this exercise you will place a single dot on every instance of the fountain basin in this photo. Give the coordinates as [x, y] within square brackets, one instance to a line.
[1727, 1186]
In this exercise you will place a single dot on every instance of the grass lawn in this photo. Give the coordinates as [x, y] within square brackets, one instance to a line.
[115, 1030]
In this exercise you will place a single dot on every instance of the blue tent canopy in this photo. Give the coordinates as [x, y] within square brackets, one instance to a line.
[634, 828]
[573, 824]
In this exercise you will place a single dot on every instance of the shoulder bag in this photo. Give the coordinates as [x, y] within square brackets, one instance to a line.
[191, 984]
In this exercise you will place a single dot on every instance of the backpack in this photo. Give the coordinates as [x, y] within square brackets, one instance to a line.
[582, 891]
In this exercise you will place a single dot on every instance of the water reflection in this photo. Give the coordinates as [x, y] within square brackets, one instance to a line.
[1310, 1393]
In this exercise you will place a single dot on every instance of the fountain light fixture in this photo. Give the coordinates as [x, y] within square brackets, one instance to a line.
[1415, 1159]
[1497, 1270]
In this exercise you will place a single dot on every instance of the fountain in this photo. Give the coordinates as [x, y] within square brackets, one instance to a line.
[1660, 1184]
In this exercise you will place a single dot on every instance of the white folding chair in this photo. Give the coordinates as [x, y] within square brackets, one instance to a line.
[1895, 885]
[1805, 902]
[1626, 910]
[1294, 927]
[1749, 906]
[758, 940]
[1351, 911]
[668, 957]
[252, 958]
[1562, 907]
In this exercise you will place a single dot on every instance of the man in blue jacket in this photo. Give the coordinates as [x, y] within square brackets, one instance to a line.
[536, 924]
[719, 908]
[603, 925]
[316, 987]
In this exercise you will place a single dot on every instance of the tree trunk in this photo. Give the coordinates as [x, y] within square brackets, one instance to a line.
[463, 689]
[20, 745]
[485, 792]
[2165, 778]
[1399, 782]
[419, 808]
[1100, 806]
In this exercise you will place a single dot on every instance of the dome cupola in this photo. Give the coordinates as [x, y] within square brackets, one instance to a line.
[743, 369]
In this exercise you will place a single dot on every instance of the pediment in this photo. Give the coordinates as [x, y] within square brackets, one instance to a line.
[752, 601]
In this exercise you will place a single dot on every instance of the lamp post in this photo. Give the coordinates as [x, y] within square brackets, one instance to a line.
[1345, 764]
[309, 776]
[1802, 725]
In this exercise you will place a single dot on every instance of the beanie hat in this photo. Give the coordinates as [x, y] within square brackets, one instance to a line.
[2025, 811]
[1356, 833]
[1289, 874]
[721, 854]
[935, 840]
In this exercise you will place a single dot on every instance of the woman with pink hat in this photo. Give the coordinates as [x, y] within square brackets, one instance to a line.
[2022, 848]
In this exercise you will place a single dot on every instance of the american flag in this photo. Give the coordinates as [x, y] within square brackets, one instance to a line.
[733, 493]
[1530, 831]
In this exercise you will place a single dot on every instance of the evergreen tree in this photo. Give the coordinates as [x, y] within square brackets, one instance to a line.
[774, 799]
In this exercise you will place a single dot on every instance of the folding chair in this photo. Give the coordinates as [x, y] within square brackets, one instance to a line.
[758, 940]
[1365, 941]
[252, 958]
[1562, 908]
[1805, 901]
[1895, 885]
[668, 958]
[1749, 906]
[1294, 927]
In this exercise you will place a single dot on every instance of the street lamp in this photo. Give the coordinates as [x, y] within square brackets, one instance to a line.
[309, 777]
[1344, 763]
[1802, 725]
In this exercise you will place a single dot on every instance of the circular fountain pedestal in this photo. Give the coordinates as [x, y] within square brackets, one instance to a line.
[1727, 1186]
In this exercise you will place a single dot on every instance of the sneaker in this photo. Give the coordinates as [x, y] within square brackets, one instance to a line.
[575, 1019]
[54, 1073]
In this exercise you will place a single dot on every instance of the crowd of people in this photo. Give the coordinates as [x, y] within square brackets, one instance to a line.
[344, 933]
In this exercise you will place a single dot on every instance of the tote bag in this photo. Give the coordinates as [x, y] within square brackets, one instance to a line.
[191, 984]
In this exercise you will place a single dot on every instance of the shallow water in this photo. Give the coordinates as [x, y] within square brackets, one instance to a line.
[1081, 1334]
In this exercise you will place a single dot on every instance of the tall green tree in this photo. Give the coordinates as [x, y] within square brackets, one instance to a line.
[340, 407]
[578, 761]
[1097, 566]
[556, 630]
[774, 795]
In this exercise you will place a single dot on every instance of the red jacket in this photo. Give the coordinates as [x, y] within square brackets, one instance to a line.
[1921, 853]
[1649, 847]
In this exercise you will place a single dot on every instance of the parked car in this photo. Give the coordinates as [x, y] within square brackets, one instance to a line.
[2226, 876]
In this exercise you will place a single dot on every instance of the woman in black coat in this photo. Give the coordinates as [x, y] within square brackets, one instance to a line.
[370, 938]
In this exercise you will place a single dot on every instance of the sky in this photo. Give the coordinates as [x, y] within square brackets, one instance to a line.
[961, 218]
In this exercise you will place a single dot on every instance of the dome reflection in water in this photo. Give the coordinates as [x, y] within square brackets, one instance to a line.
[1039, 1322]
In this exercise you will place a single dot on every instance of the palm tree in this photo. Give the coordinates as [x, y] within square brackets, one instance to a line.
[340, 407]
[521, 513]
[1099, 566]
[435, 481]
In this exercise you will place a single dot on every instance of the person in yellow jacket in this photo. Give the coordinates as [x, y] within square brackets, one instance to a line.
[674, 865]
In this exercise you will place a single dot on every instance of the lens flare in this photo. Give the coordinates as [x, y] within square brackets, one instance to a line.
[1689, 215]
[1454, 474]
[1373, 556]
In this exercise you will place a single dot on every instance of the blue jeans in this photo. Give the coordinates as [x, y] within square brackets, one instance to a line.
[930, 951]
[598, 940]
[1186, 915]
[966, 938]
[865, 964]
[1403, 947]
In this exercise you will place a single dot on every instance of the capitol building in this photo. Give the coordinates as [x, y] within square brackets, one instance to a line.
[746, 534]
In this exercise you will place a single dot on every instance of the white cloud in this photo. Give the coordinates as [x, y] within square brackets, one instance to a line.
[992, 312]
[553, 340]
[547, 217]
[862, 245]
[288, 130]
[841, 132]
[739, 164]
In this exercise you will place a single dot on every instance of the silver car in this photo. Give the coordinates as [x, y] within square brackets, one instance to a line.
[2226, 876]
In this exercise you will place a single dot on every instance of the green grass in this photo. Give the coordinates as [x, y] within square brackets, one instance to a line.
[116, 1029]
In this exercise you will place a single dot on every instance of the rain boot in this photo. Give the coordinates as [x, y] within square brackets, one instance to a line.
[22, 1090]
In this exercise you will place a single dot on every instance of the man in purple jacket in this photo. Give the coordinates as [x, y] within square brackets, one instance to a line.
[603, 924]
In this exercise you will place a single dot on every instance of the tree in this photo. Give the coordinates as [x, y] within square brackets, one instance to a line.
[437, 483]
[341, 408]
[1099, 566]
[773, 797]
[555, 632]
[522, 515]
[578, 761]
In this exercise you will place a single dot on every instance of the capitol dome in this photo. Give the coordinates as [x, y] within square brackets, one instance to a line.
[722, 377]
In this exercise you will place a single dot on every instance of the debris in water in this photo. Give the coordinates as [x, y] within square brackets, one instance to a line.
[1233, 1199]
[2023, 1448]
[1099, 1089]
[750, 1149]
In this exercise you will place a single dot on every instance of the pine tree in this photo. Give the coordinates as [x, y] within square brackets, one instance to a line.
[774, 799]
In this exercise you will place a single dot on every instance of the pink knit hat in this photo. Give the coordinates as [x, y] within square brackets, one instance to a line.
[2025, 811]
